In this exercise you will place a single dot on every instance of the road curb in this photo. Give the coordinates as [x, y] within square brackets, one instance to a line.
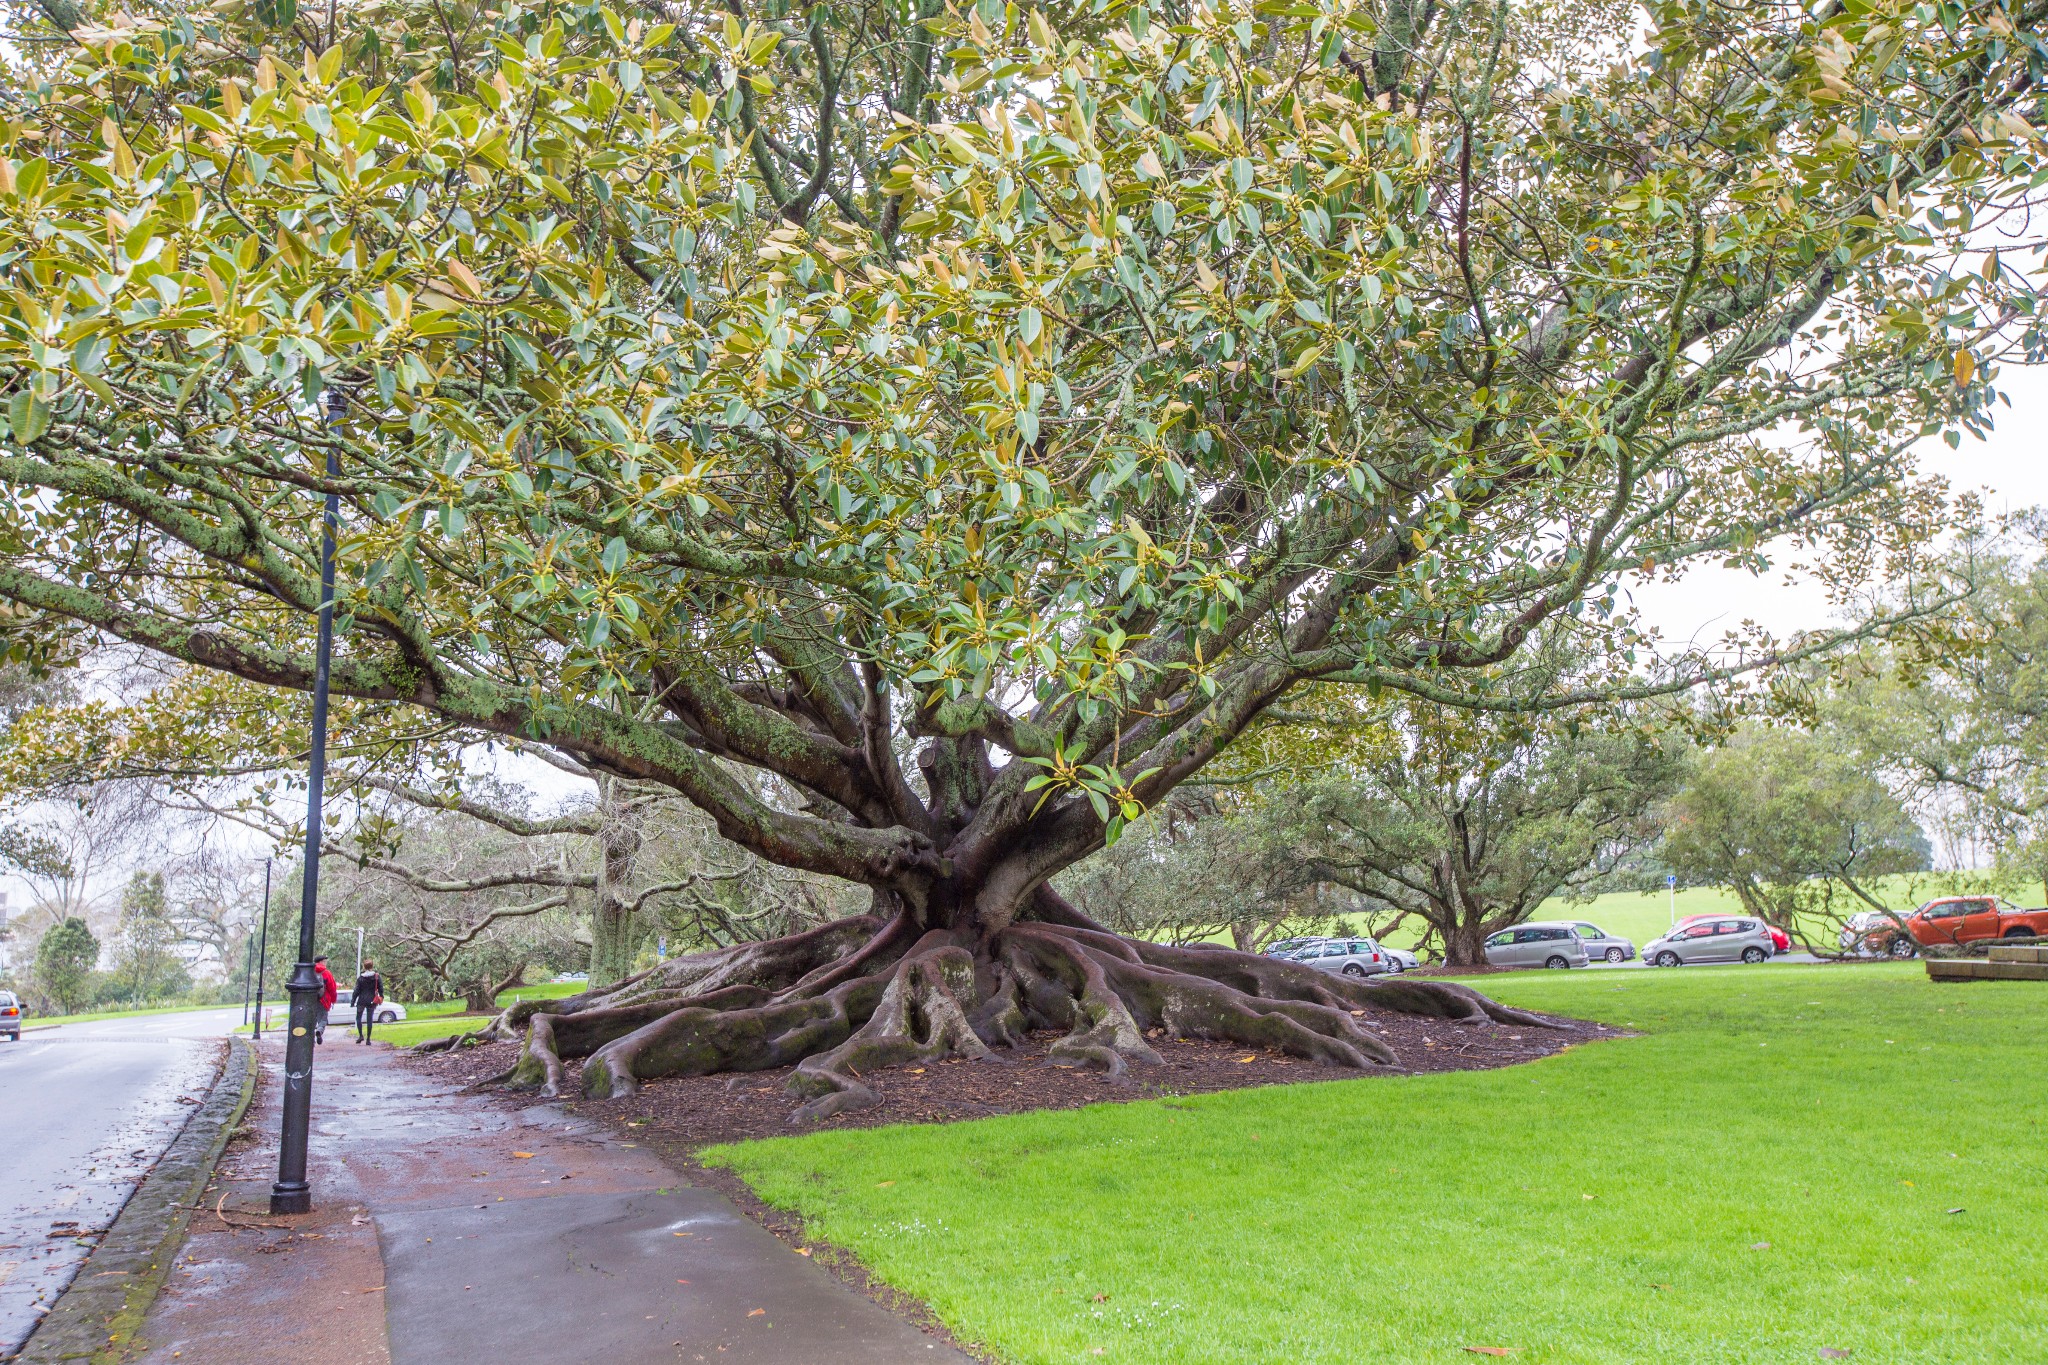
[96, 1317]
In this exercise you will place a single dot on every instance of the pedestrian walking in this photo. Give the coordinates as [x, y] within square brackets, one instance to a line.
[330, 991]
[369, 994]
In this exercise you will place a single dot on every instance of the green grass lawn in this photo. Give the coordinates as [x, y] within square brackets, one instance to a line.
[1610, 1204]
[47, 1020]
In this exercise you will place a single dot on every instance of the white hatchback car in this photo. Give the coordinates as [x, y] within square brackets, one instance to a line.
[343, 1015]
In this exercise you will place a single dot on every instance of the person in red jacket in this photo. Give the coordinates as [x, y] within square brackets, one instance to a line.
[330, 991]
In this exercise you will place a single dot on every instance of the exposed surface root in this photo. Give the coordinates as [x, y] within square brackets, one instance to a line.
[921, 1017]
[842, 1001]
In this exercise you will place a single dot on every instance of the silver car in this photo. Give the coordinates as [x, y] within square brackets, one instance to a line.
[10, 1016]
[1399, 959]
[1601, 944]
[1536, 945]
[1712, 940]
[1351, 956]
[1288, 947]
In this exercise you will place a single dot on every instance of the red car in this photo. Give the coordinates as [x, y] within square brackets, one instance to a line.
[1780, 940]
[1950, 921]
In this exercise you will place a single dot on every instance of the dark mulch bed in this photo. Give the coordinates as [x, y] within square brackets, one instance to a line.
[686, 1113]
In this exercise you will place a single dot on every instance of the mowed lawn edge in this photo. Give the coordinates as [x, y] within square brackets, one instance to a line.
[1767, 1170]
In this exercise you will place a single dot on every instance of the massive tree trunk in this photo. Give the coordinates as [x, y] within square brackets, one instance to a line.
[914, 983]
[615, 929]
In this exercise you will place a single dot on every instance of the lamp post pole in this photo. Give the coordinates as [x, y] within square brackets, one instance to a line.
[262, 953]
[249, 967]
[291, 1193]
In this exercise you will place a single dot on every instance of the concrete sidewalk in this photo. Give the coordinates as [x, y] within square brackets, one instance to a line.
[450, 1230]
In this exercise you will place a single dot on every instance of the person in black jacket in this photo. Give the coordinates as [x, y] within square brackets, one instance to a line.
[369, 994]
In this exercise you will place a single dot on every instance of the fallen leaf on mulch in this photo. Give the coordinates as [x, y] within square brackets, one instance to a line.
[1493, 1350]
[524, 1156]
[757, 1312]
[803, 1251]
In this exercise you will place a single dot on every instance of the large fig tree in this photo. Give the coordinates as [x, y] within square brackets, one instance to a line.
[975, 417]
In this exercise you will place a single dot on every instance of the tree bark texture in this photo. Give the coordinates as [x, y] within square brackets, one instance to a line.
[615, 929]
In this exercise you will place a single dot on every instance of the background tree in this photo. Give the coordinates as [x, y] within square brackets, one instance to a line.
[147, 965]
[1467, 822]
[66, 957]
[1207, 863]
[1039, 395]
[1961, 733]
[413, 809]
[1796, 826]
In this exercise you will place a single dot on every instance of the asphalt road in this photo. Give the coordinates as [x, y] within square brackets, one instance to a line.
[85, 1111]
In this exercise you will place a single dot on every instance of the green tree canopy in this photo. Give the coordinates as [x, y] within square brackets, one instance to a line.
[65, 960]
[1795, 824]
[1034, 395]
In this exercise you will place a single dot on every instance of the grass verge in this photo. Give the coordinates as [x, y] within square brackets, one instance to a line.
[1790, 1158]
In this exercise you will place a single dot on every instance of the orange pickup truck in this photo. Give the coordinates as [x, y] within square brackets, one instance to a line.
[1952, 920]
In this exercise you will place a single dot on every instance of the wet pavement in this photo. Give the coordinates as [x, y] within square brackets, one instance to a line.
[85, 1111]
[450, 1229]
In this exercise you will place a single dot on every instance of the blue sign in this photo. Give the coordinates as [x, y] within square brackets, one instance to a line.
[1671, 882]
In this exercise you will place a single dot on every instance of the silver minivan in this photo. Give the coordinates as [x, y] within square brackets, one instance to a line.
[10, 1016]
[1536, 945]
[1601, 944]
[1712, 940]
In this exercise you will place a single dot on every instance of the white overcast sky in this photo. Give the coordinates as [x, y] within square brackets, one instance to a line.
[2008, 470]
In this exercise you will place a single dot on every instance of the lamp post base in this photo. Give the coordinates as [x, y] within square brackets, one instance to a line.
[291, 1197]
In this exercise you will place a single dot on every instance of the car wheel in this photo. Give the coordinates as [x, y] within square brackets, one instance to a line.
[1353, 969]
[1901, 946]
[387, 1017]
[1667, 959]
[1557, 961]
[2018, 931]
[1616, 956]
[1752, 955]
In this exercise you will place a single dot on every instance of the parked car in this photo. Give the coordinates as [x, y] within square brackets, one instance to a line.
[1868, 931]
[1951, 921]
[1400, 959]
[1351, 956]
[1536, 945]
[1601, 944]
[10, 1016]
[343, 1015]
[1781, 942]
[1711, 940]
[1288, 947]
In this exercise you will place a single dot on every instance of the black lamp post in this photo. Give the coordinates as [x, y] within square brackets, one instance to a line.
[291, 1193]
[255, 967]
[262, 953]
